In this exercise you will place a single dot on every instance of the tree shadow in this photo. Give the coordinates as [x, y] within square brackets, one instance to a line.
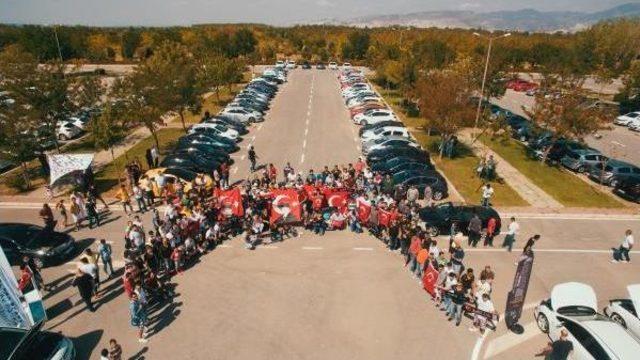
[139, 355]
[85, 344]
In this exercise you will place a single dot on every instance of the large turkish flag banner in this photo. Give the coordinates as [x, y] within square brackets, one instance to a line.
[338, 200]
[231, 202]
[285, 207]
[384, 217]
[429, 280]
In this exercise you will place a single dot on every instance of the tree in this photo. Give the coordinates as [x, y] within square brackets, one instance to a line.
[243, 42]
[18, 142]
[129, 42]
[568, 114]
[105, 130]
[357, 45]
[443, 99]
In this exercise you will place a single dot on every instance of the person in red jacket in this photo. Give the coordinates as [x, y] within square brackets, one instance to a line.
[491, 229]
[25, 278]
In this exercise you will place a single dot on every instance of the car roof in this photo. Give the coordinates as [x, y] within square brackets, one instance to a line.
[614, 337]
[573, 294]
[634, 295]
[587, 151]
[619, 163]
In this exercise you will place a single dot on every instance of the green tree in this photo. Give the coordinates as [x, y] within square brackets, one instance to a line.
[129, 42]
[357, 45]
[243, 42]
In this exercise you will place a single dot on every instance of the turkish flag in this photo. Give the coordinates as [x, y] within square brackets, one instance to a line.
[318, 201]
[429, 279]
[384, 217]
[309, 189]
[338, 199]
[364, 209]
[231, 202]
[285, 207]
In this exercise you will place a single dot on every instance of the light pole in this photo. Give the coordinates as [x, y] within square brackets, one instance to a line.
[486, 69]
[55, 33]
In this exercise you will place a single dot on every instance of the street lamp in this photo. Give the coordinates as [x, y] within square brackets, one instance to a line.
[486, 68]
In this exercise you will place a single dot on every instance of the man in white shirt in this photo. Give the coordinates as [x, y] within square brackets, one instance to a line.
[487, 193]
[485, 305]
[625, 247]
[510, 238]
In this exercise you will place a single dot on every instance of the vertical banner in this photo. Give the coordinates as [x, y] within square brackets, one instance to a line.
[12, 311]
[516, 297]
[430, 279]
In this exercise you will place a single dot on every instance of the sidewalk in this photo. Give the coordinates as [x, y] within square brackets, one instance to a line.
[520, 183]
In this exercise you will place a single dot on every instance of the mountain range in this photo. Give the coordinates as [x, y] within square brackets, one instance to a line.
[522, 20]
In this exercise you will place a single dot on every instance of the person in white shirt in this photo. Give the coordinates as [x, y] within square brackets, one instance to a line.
[510, 238]
[482, 287]
[487, 193]
[449, 283]
[625, 248]
[485, 305]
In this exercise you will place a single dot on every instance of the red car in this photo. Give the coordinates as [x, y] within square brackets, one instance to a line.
[521, 85]
[362, 108]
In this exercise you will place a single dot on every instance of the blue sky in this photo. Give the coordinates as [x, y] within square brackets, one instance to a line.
[278, 12]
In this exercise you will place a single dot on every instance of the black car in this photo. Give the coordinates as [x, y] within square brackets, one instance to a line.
[433, 179]
[191, 162]
[386, 165]
[320, 66]
[378, 125]
[210, 138]
[628, 189]
[18, 344]
[306, 65]
[241, 129]
[404, 175]
[46, 247]
[214, 144]
[218, 157]
[438, 219]
[395, 151]
[222, 155]
[411, 166]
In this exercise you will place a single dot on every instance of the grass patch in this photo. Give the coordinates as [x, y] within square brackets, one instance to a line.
[461, 172]
[406, 113]
[568, 189]
[107, 178]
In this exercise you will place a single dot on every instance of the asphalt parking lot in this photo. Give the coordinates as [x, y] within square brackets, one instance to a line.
[342, 296]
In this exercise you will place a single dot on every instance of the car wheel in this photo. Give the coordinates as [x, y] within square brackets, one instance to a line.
[252, 120]
[63, 137]
[39, 263]
[432, 231]
[581, 169]
[438, 195]
[617, 318]
[614, 183]
[543, 323]
[363, 122]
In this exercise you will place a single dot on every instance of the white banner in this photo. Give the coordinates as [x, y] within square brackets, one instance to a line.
[12, 312]
[63, 164]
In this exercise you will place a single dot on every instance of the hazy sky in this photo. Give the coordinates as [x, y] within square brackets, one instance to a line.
[185, 12]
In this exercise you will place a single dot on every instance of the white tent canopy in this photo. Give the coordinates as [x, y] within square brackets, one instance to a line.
[63, 164]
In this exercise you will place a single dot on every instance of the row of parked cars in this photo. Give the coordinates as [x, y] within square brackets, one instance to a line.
[209, 143]
[630, 120]
[573, 306]
[388, 146]
[576, 156]
[306, 65]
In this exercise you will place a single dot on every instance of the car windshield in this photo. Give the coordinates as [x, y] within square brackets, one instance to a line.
[25, 235]
[576, 311]
[8, 340]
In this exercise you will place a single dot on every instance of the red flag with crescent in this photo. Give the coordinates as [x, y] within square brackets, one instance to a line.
[430, 279]
[338, 199]
[231, 202]
[384, 217]
[285, 207]
[364, 209]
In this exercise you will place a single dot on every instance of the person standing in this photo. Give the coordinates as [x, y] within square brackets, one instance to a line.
[93, 192]
[138, 316]
[47, 216]
[528, 247]
[491, 231]
[115, 350]
[512, 231]
[456, 303]
[559, 349]
[149, 158]
[138, 194]
[63, 212]
[412, 195]
[76, 215]
[92, 213]
[625, 248]
[252, 158]
[487, 193]
[125, 200]
[84, 283]
[474, 228]
[105, 251]
[155, 156]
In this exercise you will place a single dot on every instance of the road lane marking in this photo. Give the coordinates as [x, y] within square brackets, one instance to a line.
[235, 169]
[301, 158]
[304, 143]
[309, 113]
[359, 148]
[243, 157]
[510, 340]
[312, 248]
[363, 249]
[225, 246]
[618, 143]
[306, 131]
[267, 247]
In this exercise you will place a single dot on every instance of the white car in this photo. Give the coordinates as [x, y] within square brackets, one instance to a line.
[218, 129]
[346, 66]
[634, 125]
[362, 100]
[291, 65]
[572, 306]
[386, 142]
[627, 118]
[385, 131]
[242, 115]
[374, 116]
[66, 130]
[333, 65]
[625, 311]
[81, 123]
[280, 64]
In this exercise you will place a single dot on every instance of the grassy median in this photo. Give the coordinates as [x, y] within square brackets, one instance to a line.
[461, 172]
[565, 187]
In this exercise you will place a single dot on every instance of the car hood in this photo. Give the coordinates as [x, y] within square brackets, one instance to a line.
[573, 294]
[634, 295]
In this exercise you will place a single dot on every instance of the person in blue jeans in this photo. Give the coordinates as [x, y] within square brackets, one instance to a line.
[104, 250]
[354, 224]
[319, 225]
[454, 309]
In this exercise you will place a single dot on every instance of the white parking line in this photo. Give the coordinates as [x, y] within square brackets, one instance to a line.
[301, 158]
[306, 131]
[304, 143]
[243, 157]
[312, 248]
[224, 246]
[510, 340]
[235, 169]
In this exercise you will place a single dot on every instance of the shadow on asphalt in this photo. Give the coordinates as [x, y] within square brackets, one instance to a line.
[139, 355]
[85, 344]
[58, 285]
[162, 315]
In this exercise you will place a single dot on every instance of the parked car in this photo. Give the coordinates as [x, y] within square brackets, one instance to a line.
[410, 166]
[438, 219]
[191, 161]
[573, 306]
[379, 125]
[384, 132]
[614, 172]
[383, 143]
[395, 151]
[80, 122]
[634, 125]
[18, 344]
[46, 247]
[628, 189]
[66, 130]
[625, 311]
[215, 154]
[217, 129]
[210, 141]
[625, 119]
[562, 147]
[241, 129]
[306, 65]
[374, 116]
[333, 65]
[581, 160]
[242, 115]
[387, 165]
[521, 85]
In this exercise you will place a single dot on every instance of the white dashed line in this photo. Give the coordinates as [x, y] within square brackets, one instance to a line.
[312, 248]
[301, 158]
[306, 131]
[363, 249]
[565, 251]
[309, 113]
[304, 143]
[243, 157]
[235, 169]
[225, 246]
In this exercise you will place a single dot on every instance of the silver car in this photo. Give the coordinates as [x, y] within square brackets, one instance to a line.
[581, 160]
[243, 115]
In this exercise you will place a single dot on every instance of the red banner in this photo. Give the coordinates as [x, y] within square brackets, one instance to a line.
[231, 202]
[384, 217]
[285, 207]
[429, 280]
[339, 200]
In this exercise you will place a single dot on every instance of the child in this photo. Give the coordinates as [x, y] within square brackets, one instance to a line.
[178, 258]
